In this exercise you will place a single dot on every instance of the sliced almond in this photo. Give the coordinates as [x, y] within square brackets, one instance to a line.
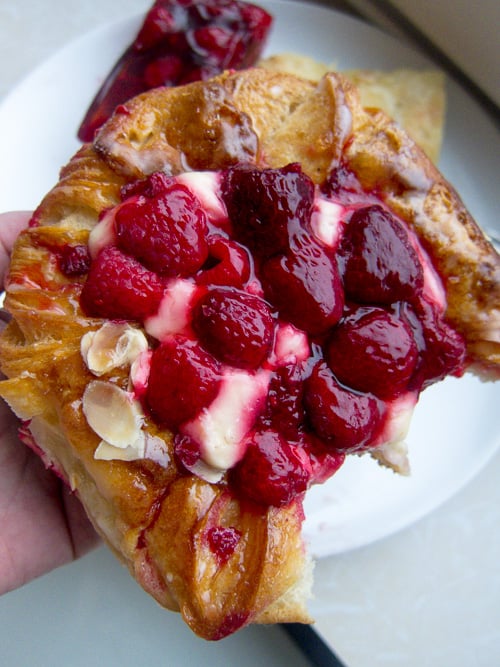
[113, 414]
[112, 346]
[107, 452]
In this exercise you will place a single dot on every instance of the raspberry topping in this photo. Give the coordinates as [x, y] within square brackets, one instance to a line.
[288, 325]
[373, 351]
[183, 380]
[223, 541]
[165, 231]
[120, 287]
[380, 265]
[236, 327]
[229, 263]
[273, 471]
[285, 402]
[344, 419]
[268, 208]
[74, 260]
[305, 287]
[181, 41]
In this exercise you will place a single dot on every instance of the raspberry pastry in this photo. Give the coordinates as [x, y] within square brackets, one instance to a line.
[240, 283]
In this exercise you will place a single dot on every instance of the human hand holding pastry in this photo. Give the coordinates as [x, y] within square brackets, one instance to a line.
[42, 525]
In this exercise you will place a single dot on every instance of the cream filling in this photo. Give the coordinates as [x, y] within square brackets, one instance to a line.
[221, 428]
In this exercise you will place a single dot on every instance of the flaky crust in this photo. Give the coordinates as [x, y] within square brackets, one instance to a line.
[416, 99]
[152, 517]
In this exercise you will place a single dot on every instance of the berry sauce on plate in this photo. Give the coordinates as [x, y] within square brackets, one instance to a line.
[181, 41]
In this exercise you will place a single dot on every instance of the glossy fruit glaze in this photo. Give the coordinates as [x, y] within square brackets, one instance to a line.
[288, 323]
[181, 41]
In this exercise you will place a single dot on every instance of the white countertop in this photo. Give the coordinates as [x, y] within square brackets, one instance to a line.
[427, 596]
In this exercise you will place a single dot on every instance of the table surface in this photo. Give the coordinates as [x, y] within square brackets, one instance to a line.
[429, 595]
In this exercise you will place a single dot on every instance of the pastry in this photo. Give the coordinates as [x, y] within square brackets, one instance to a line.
[415, 98]
[241, 282]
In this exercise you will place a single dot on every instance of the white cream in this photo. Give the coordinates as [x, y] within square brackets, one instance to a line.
[103, 234]
[205, 185]
[174, 313]
[326, 221]
[291, 346]
[220, 428]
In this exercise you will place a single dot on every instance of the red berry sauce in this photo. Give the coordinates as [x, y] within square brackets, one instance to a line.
[222, 541]
[179, 42]
[289, 325]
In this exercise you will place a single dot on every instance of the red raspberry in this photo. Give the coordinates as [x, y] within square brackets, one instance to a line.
[236, 327]
[229, 263]
[272, 472]
[183, 380]
[285, 409]
[373, 351]
[218, 45]
[73, 260]
[342, 185]
[166, 231]
[168, 68]
[305, 287]
[442, 349]
[119, 287]
[380, 264]
[266, 206]
[158, 23]
[343, 419]
[222, 541]
[325, 460]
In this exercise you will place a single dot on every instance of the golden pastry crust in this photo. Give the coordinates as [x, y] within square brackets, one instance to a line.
[415, 98]
[153, 517]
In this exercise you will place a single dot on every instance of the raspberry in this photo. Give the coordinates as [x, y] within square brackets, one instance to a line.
[158, 23]
[272, 471]
[168, 67]
[222, 541]
[380, 264]
[74, 260]
[305, 287]
[343, 185]
[166, 231]
[229, 263]
[267, 206]
[442, 349]
[183, 380]
[285, 410]
[119, 287]
[325, 460]
[236, 327]
[345, 420]
[372, 350]
[218, 45]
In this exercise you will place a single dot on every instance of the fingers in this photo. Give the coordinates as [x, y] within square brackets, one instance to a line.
[11, 224]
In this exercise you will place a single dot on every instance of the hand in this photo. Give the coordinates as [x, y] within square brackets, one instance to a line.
[42, 525]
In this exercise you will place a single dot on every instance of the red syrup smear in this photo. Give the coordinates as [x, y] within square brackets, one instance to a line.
[179, 42]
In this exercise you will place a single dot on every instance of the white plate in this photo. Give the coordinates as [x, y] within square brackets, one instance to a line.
[455, 430]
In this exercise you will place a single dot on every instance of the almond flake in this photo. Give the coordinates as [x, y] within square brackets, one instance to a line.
[112, 346]
[113, 414]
